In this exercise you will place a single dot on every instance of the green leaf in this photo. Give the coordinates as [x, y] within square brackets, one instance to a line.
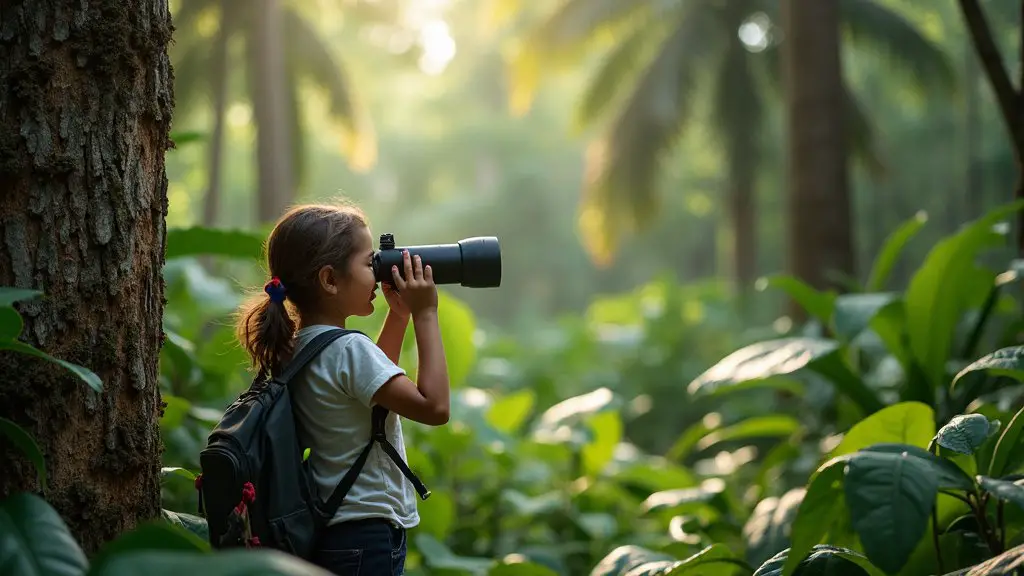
[763, 361]
[24, 442]
[82, 372]
[178, 471]
[200, 241]
[458, 326]
[606, 433]
[890, 252]
[437, 515]
[945, 472]
[632, 559]
[768, 529]
[713, 560]
[153, 535]
[9, 295]
[186, 137]
[910, 423]
[854, 312]
[756, 427]
[935, 297]
[266, 562]
[174, 413]
[519, 568]
[437, 555]
[820, 508]
[965, 433]
[34, 540]
[1004, 489]
[683, 500]
[193, 524]
[1003, 362]
[11, 323]
[890, 497]
[1009, 453]
[510, 411]
[824, 560]
[816, 303]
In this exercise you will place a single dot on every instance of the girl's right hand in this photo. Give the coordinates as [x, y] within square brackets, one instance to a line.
[418, 290]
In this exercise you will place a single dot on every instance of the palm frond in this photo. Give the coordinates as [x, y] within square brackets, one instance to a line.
[620, 68]
[873, 27]
[312, 60]
[622, 172]
[564, 39]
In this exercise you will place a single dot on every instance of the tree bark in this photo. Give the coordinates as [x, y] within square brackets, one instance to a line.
[821, 236]
[85, 107]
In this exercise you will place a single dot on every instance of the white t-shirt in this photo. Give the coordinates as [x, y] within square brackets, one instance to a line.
[332, 403]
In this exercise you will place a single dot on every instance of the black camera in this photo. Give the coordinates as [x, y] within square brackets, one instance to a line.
[471, 262]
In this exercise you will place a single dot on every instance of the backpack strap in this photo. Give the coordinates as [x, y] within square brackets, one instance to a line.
[379, 434]
[310, 351]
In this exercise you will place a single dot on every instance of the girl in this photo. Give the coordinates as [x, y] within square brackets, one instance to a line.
[320, 260]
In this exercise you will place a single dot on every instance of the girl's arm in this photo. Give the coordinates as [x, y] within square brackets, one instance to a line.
[391, 335]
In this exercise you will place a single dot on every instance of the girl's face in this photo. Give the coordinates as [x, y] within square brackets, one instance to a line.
[357, 291]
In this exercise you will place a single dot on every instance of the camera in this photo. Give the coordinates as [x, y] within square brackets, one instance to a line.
[471, 262]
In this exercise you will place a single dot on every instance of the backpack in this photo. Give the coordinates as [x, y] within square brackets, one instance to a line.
[256, 488]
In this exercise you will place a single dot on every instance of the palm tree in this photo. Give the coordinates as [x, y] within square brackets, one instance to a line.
[660, 57]
[280, 53]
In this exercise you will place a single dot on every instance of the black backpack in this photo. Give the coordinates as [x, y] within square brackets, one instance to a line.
[255, 488]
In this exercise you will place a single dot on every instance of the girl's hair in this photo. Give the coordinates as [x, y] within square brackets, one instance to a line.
[305, 239]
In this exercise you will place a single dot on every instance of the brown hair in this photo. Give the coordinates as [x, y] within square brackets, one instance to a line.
[304, 239]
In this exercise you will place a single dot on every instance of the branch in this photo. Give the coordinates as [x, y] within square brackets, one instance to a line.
[988, 53]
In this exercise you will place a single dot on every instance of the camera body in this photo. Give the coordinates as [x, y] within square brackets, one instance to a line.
[471, 262]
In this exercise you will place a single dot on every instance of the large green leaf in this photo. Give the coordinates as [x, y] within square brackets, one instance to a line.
[521, 569]
[227, 563]
[153, 535]
[764, 361]
[86, 375]
[824, 560]
[910, 423]
[936, 293]
[684, 500]
[24, 442]
[35, 541]
[1003, 362]
[438, 556]
[965, 433]
[713, 560]
[854, 312]
[630, 558]
[890, 497]
[194, 524]
[819, 509]
[946, 472]
[200, 241]
[1008, 455]
[768, 529]
[509, 412]
[458, 327]
[891, 250]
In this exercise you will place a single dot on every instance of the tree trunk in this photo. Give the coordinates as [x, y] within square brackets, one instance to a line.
[744, 226]
[1007, 97]
[85, 108]
[821, 236]
[211, 204]
[270, 107]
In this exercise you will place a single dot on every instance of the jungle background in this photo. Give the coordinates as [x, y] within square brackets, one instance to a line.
[634, 159]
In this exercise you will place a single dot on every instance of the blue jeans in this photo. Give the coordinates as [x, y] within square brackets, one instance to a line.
[371, 547]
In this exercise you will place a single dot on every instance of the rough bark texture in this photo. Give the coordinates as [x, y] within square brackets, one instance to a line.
[821, 236]
[85, 108]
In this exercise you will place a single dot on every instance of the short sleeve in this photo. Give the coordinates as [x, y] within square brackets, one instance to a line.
[367, 368]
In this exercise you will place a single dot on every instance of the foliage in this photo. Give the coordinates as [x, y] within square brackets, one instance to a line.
[838, 450]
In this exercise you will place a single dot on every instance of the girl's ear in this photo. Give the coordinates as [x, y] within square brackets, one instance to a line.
[328, 283]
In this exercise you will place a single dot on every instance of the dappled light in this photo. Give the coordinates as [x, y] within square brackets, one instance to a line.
[750, 301]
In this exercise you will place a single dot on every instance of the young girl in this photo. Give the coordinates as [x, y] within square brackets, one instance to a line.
[320, 260]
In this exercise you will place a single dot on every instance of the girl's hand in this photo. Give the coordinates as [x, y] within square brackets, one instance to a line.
[395, 302]
[418, 290]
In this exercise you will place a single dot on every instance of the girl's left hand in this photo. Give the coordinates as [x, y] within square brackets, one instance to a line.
[395, 301]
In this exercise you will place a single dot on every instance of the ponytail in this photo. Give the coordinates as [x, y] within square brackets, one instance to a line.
[265, 328]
